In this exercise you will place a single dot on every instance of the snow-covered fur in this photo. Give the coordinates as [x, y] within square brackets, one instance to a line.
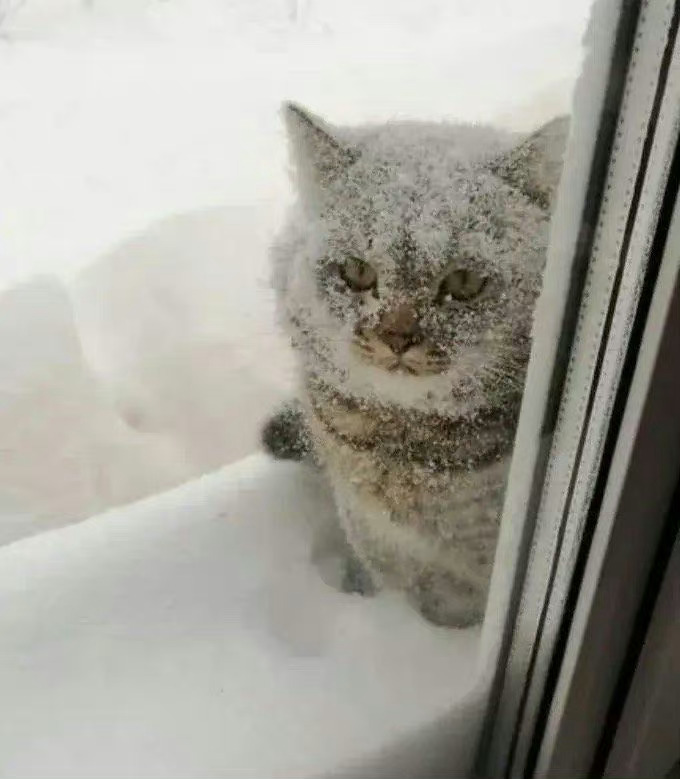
[407, 276]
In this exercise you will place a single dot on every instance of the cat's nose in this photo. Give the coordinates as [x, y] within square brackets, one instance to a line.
[399, 328]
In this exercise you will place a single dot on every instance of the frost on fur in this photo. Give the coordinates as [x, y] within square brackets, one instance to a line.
[407, 276]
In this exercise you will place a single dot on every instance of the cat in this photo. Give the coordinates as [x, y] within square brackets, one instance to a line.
[406, 276]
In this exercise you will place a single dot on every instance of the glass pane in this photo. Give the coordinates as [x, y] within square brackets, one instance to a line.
[187, 188]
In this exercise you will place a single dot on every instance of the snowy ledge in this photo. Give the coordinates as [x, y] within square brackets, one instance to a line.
[194, 633]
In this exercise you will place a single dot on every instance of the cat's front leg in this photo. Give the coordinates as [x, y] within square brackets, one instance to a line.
[357, 578]
[285, 435]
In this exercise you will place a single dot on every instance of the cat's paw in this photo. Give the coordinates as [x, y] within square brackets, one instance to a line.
[356, 577]
[286, 436]
[447, 604]
[442, 615]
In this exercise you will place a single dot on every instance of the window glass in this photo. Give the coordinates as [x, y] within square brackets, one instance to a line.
[270, 266]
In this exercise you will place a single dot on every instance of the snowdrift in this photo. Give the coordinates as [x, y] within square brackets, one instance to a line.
[201, 633]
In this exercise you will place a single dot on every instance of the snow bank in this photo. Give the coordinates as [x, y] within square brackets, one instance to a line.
[158, 366]
[178, 322]
[192, 634]
[64, 452]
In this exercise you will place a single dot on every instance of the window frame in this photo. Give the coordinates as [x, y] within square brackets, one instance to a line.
[610, 618]
[578, 427]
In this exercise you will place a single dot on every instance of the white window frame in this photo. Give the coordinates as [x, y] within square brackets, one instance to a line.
[568, 594]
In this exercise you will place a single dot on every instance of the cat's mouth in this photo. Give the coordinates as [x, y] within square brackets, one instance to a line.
[421, 359]
[401, 367]
[405, 369]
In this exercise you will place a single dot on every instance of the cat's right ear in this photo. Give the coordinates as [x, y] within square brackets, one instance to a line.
[318, 156]
[535, 166]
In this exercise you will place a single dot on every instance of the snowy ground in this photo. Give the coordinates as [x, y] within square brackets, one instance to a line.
[194, 635]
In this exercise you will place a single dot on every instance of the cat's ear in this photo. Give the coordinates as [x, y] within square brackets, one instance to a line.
[535, 166]
[317, 155]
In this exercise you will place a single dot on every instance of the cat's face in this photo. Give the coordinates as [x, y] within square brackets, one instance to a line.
[427, 253]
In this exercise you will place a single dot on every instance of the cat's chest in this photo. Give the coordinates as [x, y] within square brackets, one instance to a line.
[436, 500]
[395, 434]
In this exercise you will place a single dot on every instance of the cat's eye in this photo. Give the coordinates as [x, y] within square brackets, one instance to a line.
[461, 284]
[358, 274]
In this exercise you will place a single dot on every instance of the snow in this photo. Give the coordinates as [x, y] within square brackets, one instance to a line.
[66, 454]
[179, 324]
[194, 634]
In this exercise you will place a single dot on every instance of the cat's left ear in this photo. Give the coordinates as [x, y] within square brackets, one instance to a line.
[535, 166]
[317, 154]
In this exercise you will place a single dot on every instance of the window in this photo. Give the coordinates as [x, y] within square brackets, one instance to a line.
[200, 608]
